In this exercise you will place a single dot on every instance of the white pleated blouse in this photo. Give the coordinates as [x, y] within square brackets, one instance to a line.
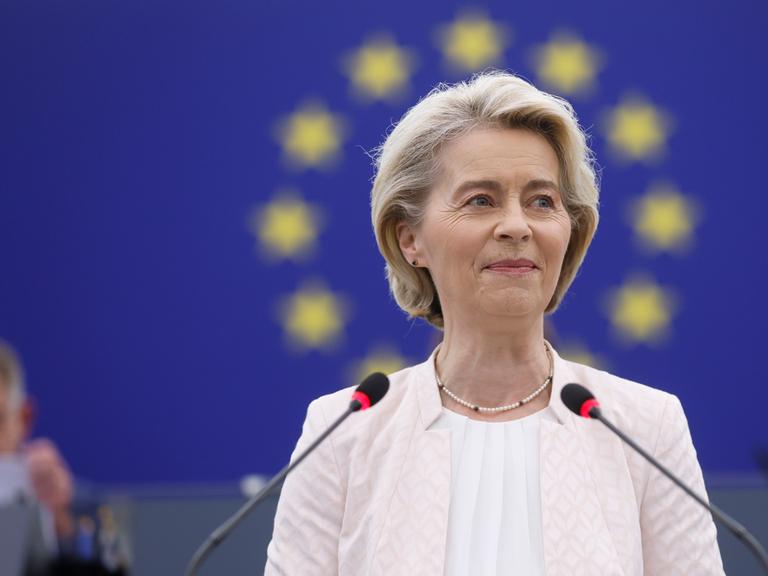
[494, 525]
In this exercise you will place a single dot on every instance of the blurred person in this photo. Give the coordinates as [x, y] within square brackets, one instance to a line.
[484, 204]
[31, 469]
[33, 472]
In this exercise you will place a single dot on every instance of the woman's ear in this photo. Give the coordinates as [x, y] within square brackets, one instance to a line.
[409, 243]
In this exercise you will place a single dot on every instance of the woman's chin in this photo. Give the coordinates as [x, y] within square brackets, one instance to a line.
[513, 303]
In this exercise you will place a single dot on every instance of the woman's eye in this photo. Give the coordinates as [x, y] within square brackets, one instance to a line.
[480, 201]
[543, 202]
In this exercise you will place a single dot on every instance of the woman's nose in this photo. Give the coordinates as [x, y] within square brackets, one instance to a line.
[512, 225]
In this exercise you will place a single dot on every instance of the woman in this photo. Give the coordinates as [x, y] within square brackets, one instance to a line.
[484, 204]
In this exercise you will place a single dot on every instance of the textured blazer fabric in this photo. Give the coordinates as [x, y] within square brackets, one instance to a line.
[373, 499]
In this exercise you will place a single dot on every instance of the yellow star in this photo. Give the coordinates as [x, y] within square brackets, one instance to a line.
[637, 130]
[567, 64]
[664, 219]
[313, 317]
[286, 227]
[382, 359]
[311, 136]
[641, 310]
[472, 42]
[379, 69]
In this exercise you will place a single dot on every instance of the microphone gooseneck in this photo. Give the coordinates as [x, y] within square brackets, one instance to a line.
[582, 402]
[368, 393]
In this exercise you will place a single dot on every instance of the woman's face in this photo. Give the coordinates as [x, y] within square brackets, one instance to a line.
[495, 229]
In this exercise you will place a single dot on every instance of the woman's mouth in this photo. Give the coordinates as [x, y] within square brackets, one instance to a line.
[516, 267]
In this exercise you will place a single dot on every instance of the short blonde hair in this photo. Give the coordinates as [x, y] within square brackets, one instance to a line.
[407, 166]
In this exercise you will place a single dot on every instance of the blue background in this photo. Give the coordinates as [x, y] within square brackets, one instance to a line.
[136, 138]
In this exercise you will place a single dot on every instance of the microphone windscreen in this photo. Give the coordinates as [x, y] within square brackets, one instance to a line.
[374, 387]
[574, 395]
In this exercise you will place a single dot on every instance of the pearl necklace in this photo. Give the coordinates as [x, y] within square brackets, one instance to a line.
[497, 409]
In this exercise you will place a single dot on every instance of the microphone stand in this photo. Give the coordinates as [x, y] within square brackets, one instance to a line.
[223, 531]
[735, 527]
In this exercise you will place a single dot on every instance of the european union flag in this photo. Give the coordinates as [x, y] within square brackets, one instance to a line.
[187, 250]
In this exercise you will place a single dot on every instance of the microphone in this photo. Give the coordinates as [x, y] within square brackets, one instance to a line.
[370, 391]
[581, 401]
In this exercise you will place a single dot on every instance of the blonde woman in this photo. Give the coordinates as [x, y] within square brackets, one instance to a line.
[484, 204]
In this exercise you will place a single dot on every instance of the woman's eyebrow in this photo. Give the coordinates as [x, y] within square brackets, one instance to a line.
[539, 183]
[496, 186]
[492, 185]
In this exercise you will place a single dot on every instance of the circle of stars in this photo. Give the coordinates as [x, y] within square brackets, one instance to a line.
[312, 136]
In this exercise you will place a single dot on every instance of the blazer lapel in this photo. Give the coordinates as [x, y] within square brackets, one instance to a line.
[575, 533]
[413, 538]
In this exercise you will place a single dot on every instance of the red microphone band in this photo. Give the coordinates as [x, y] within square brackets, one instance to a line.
[361, 397]
[587, 406]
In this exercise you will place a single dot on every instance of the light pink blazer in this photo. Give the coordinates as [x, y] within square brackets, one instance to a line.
[373, 499]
